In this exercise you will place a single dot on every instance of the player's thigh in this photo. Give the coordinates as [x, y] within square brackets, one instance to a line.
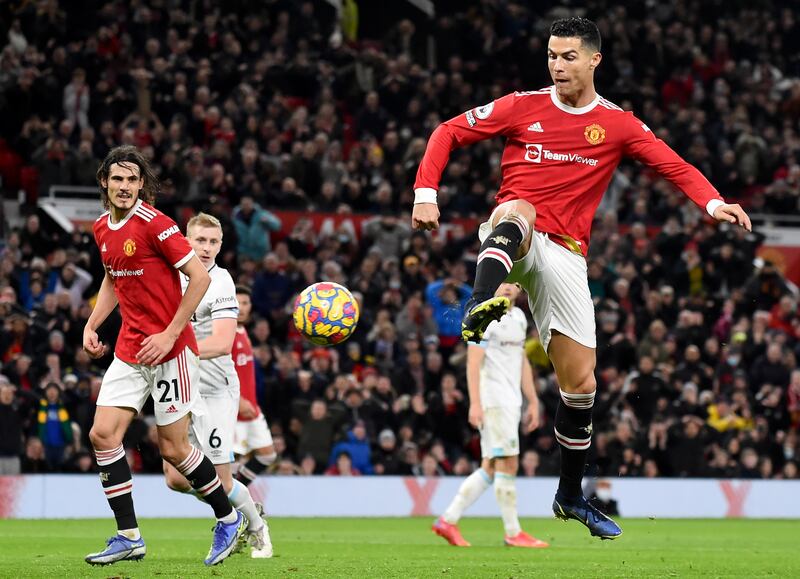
[240, 445]
[215, 430]
[122, 395]
[574, 364]
[175, 388]
[558, 295]
[260, 437]
[500, 432]
[253, 436]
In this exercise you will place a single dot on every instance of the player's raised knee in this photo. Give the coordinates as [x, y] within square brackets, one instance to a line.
[519, 210]
[527, 210]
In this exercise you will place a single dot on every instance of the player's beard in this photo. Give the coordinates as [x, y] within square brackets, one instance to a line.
[123, 204]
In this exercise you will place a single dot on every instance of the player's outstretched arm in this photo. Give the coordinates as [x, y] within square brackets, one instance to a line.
[733, 213]
[155, 347]
[531, 420]
[469, 127]
[475, 356]
[642, 144]
[106, 302]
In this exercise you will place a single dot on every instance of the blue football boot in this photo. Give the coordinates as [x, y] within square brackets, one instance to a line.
[118, 548]
[583, 511]
[226, 538]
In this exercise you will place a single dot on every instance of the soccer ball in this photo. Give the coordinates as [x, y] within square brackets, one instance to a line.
[326, 313]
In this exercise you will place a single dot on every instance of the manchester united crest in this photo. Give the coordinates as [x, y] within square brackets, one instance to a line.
[129, 247]
[595, 134]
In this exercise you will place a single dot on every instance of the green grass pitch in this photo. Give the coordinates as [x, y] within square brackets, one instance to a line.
[361, 548]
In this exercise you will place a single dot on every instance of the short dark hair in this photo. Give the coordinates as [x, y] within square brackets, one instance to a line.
[128, 154]
[244, 290]
[575, 27]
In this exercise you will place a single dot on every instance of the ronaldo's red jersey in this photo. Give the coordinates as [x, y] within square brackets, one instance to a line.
[560, 158]
[242, 354]
[142, 254]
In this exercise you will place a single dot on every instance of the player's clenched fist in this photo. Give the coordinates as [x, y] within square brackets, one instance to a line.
[425, 216]
[476, 416]
[92, 344]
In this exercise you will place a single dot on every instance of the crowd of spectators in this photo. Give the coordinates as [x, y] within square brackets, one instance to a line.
[257, 108]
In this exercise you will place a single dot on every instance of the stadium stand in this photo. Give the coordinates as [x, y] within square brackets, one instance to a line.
[259, 110]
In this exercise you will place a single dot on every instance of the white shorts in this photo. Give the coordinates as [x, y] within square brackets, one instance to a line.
[174, 386]
[252, 434]
[213, 433]
[557, 285]
[500, 432]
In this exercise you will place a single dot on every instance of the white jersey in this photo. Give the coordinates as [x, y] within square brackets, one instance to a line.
[217, 375]
[501, 371]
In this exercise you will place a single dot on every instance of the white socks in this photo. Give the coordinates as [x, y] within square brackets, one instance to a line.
[132, 534]
[469, 491]
[241, 500]
[505, 489]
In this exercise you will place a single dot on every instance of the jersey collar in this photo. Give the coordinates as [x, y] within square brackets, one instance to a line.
[121, 224]
[573, 110]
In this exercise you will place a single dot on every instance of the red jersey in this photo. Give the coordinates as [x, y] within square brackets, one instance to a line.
[242, 354]
[142, 254]
[560, 158]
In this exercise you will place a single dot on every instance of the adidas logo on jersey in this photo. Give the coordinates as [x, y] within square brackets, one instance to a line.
[536, 127]
[171, 409]
[104, 247]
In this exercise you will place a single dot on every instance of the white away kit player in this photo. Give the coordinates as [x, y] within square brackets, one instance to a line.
[498, 374]
[214, 323]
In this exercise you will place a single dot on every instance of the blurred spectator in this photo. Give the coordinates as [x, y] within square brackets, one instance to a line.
[10, 431]
[34, 460]
[356, 447]
[384, 458]
[253, 225]
[447, 298]
[602, 498]
[317, 435]
[76, 100]
[342, 465]
[55, 429]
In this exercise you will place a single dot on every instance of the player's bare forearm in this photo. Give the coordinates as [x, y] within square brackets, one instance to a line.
[528, 388]
[105, 304]
[475, 356]
[199, 280]
[220, 342]
[531, 421]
